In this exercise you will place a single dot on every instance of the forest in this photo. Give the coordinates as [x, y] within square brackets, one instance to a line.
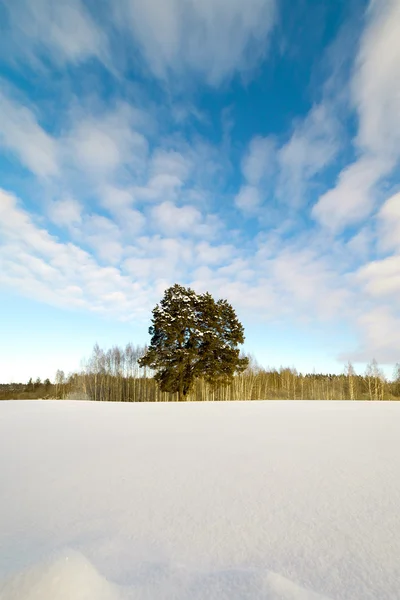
[114, 375]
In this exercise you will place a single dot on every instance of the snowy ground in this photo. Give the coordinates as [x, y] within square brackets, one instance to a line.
[227, 501]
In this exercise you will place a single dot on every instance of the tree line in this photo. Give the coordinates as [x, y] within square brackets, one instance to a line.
[38, 389]
[114, 375]
[194, 355]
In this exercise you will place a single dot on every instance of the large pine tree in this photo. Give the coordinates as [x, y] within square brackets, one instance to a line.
[193, 336]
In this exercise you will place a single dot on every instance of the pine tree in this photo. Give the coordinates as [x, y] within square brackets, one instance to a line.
[193, 336]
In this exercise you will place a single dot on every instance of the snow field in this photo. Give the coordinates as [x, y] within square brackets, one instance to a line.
[261, 500]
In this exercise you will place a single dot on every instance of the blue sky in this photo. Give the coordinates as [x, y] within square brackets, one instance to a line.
[250, 149]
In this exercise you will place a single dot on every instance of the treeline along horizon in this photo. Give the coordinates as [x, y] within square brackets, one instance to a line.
[114, 375]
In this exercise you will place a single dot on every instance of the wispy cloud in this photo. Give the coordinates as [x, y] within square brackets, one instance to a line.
[213, 38]
[248, 199]
[66, 212]
[378, 337]
[353, 199]
[389, 225]
[258, 165]
[40, 266]
[173, 219]
[101, 144]
[376, 84]
[375, 92]
[259, 162]
[22, 135]
[50, 30]
[312, 147]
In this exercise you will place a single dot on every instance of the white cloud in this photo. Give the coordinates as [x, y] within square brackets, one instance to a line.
[38, 265]
[381, 278]
[294, 280]
[206, 254]
[259, 160]
[65, 212]
[103, 236]
[257, 165]
[172, 219]
[156, 258]
[21, 134]
[114, 197]
[53, 30]
[376, 85]
[248, 199]
[118, 201]
[214, 38]
[378, 333]
[389, 224]
[101, 144]
[361, 243]
[170, 163]
[352, 200]
[309, 280]
[312, 147]
[376, 94]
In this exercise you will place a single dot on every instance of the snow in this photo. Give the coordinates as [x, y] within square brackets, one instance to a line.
[192, 501]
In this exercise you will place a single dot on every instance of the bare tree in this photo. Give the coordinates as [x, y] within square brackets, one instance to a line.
[350, 373]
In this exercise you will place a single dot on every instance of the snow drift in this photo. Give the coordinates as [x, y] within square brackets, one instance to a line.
[72, 577]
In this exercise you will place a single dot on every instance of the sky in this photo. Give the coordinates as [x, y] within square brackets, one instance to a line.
[246, 148]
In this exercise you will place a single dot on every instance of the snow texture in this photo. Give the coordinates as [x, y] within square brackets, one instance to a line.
[194, 501]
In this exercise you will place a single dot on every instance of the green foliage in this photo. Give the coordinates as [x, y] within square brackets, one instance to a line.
[193, 336]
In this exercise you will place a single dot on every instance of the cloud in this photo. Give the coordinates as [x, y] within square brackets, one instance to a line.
[361, 243]
[172, 163]
[286, 280]
[206, 254]
[352, 200]
[118, 202]
[375, 93]
[21, 134]
[381, 278]
[248, 199]
[172, 219]
[101, 144]
[376, 313]
[378, 333]
[65, 212]
[257, 165]
[103, 236]
[389, 224]
[53, 30]
[38, 265]
[214, 38]
[376, 84]
[313, 145]
[259, 160]
[309, 280]
[156, 258]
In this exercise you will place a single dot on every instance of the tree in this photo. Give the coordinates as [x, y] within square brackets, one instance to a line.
[376, 381]
[60, 383]
[351, 374]
[396, 380]
[193, 336]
